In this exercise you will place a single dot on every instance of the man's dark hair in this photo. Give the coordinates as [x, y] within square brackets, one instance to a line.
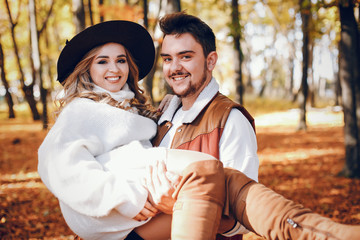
[181, 22]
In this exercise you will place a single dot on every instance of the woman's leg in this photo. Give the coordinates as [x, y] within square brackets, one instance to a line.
[199, 196]
[158, 228]
[270, 215]
[199, 202]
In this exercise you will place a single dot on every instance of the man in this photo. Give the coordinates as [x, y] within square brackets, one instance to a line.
[199, 118]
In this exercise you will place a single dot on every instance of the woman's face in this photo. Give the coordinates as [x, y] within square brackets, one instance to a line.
[110, 68]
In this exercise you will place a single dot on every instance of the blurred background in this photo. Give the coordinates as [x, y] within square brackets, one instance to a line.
[295, 65]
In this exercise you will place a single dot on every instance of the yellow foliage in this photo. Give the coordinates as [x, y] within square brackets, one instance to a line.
[121, 12]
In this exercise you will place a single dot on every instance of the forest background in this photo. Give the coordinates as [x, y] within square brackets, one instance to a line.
[301, 58]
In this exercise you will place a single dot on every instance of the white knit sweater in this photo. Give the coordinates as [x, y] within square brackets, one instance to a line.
[93, 160]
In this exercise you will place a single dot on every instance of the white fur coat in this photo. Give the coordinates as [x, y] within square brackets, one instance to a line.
[82, 163]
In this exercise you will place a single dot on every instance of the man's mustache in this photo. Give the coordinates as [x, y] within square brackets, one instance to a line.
[178, 74]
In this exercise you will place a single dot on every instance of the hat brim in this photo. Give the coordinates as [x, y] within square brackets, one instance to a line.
[132, 36]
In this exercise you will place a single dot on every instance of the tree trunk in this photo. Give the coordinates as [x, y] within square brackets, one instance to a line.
[35, 50]
[102, 16]
[27, 90]
[145, 10]
[305, 16]
[338, 97]
[337, 87]
[312, 88]
[90, 13]
[79, 15]
[8, 96]
[264, 77]
[249, 83]
[290, 87]
[291, 90]
[262, 88]
[150, 77]
[173, 6]
[349, 64]
[49, 61]
[236, 34]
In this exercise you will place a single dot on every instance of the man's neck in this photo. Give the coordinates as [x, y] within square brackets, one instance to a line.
[187, 102]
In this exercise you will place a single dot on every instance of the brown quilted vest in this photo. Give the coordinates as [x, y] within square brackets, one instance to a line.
[204, 133]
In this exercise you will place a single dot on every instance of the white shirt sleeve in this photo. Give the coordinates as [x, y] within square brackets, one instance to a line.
[238, 146]
[238, 149]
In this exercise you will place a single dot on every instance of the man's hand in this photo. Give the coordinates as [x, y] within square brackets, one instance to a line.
[148, 211]
[160, 187]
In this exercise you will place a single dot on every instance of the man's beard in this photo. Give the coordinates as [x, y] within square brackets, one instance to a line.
[192, 88]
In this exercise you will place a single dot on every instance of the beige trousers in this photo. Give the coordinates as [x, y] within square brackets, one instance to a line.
[272, 216]
[199, 202]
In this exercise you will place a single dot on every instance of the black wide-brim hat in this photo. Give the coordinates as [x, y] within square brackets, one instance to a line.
[132, 36]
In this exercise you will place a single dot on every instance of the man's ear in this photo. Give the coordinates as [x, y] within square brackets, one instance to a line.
[211, 60]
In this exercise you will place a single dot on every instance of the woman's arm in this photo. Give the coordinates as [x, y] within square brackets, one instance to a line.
[74, 176]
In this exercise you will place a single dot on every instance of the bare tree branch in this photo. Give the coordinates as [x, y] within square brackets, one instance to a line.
[46, 20]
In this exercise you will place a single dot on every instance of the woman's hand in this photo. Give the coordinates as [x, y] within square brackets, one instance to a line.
[160, 187]
[164, 104]
[148, 211]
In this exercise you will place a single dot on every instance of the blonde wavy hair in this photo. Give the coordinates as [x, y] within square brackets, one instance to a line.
[79, 85]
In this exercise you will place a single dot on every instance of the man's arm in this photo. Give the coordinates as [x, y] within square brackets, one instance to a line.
[238, 146]
[238, 149]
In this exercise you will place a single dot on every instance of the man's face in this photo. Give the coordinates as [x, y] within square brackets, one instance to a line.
[184, 65]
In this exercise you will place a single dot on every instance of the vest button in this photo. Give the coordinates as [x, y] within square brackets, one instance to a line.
[179, 130]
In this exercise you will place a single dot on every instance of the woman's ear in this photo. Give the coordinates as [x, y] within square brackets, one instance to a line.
[211, 60]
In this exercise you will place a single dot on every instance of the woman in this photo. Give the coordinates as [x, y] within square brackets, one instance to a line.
[96, 154]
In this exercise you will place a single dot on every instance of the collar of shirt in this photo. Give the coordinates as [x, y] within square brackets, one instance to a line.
[202, 100]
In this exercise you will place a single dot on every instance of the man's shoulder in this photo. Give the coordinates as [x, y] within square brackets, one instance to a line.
[221, 106]
[222, 103]
[218, 110]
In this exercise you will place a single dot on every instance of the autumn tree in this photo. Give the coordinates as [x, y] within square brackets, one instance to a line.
[79, 15]
[349, 73]
[172, 6]
[4, 81]
[305, 11]
[37, 66]
[28, 90]
[91, 15]
[146, 10]
[238, 59]
[102, 13]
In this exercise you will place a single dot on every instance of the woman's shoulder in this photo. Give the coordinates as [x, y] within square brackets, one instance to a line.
[80, 102]
[81, 106]
[78, 109]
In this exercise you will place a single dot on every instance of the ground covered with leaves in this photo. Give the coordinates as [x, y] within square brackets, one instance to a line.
[301, 165]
